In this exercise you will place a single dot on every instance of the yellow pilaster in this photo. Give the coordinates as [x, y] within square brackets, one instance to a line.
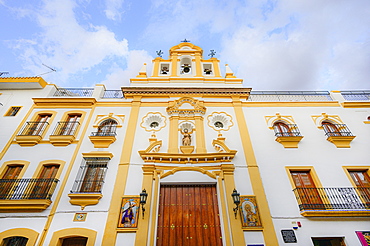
[174, 64]
[110, 232]
[235, 223]
[199, 126]
[143, 223]
[173, 141]
[216, 69]
[255, 176]
[198, 65]
[223, 208]
[156, 66]
[155, 201]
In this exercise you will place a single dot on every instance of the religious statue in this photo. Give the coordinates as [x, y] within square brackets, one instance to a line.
[186, 140]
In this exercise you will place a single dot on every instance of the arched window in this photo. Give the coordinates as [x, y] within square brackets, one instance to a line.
[107, 128]
[15, 241]
[331, 129]
[282, 130]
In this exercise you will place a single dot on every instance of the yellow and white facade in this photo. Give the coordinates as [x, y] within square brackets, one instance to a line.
[184, 124]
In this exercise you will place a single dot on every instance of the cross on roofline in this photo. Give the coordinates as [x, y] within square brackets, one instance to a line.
[185, 41]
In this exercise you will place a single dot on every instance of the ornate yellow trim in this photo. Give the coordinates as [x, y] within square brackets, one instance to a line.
[270, 120]
[12, 163]
[119, 118]
[318, 119]
[356, 104]
[341, 141]
[84, 199]
[10, 109]
[62, 102]
[22, 206]
[20, 232]
[27, 140]
[102, 141]
[61, 140]
[289, 142]
[154, 116]
[175, 107]
[311, 169]
[24, 82]
[101, 154]
[58, 236]
[38, 170]
[196, 169]
[335, 213]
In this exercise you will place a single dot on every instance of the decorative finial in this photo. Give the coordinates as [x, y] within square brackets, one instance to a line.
[212, 54]
[185, 41]
[159, 53]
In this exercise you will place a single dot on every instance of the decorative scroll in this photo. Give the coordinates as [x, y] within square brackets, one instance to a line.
[129, 212]
[249, 212]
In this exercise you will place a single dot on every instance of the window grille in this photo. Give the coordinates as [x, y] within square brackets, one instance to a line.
[106, 128]
[15, 241]
[90, 177]
[13, 111]
[336, 129]
[286, 130]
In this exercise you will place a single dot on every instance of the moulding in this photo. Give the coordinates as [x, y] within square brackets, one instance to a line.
[356, 104]
[341, 141]
[61, 140]
[28, 141]
[102, 141]
[95, 154]
[24, 205]
[289, 142]
[336, 213]
[84, 199]
[61, 102]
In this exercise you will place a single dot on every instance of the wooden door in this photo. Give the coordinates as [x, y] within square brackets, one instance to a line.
[44, 182]
[362, 181]
[307, 191]
[9, 180]
[188, 215]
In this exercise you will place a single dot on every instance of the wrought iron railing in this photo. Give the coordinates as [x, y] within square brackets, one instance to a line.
[73, 92]
[90, 177]
[65, 128]
[289, 96]
[105, 131]
[337, 130]
[347, 198]
[113, 94]
[16, 189]
[292, 132]
[33, 128]
[356, 95]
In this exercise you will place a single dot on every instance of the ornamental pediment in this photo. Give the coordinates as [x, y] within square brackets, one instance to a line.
[186, 106]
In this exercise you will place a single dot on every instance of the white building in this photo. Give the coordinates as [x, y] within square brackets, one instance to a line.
[75, 161]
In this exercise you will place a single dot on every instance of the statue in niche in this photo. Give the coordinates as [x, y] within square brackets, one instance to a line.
[186, 140]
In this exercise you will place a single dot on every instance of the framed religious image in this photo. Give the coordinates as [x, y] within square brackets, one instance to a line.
[364, 237]
[80, 217]
[129, 212]
[249, 212]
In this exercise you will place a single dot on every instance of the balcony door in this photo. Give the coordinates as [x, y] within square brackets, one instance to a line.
[188, 215]
[8, 180]
[362, 181]
[44, 181]
[308, 193]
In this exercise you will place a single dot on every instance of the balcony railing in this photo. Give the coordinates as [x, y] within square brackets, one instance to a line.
[337, 130]
[74, 92]
[65, 128]
[356, 95]
[17, 189]
[33, 128]
[333, 198]
[113, 94]
[289, 96]
[292, 132]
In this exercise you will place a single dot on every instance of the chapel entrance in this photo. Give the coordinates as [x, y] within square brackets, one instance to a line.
[188, 215]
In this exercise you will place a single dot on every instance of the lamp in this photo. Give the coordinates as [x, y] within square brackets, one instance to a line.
[143, 197]
[236, 198]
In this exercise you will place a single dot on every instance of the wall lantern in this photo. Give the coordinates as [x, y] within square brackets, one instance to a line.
[236, 198]
[143, 197]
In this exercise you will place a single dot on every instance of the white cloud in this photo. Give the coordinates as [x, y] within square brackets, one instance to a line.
[113, 9]
[66, 45]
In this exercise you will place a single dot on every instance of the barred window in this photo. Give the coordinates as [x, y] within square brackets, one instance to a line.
[15, 241]
[13, 111]
[90, 177]
[107, 128]
[75, 241]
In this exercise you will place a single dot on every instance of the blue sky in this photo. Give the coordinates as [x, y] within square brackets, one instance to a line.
[272, 45]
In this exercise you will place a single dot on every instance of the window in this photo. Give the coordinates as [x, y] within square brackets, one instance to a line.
[328, 241]
[7, 180]
[13, 111]
[207, 69]
[91, 175]
[44, 185]
[74, 241]
[36, 128]
[15, 241]
[165, 69]
[332, 129]
[362, 181]
[306, 192]
[106, 128]
[283, 130]
[68, 127]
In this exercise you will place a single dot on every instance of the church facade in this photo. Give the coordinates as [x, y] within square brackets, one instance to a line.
[183, 156]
